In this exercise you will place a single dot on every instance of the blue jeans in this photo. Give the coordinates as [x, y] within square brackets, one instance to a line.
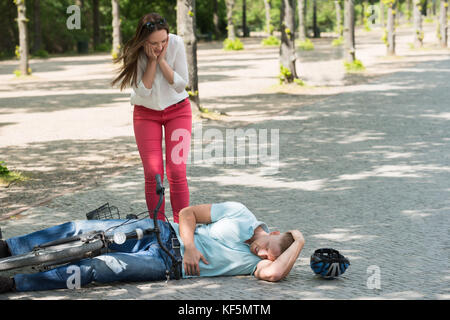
[135, 260]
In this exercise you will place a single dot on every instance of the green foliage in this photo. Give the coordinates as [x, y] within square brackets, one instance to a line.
[285, 74]
[300, 82]
[354, 66]
[3, 169]
[18, 73]
[271, 29]
[306, 45]
[235, 44]
[41, 53]
[384, 37]
[337, 42]
[17, 52]
[326, 15]
[271, 41]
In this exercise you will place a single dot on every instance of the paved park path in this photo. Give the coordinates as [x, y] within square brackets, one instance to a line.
[364, 163]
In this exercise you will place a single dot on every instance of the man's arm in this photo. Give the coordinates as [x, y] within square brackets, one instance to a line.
[276, 270]
[188, 219]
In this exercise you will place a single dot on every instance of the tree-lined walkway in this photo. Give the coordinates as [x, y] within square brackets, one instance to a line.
[364, 164]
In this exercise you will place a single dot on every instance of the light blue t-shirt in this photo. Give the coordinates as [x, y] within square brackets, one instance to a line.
[222, 242]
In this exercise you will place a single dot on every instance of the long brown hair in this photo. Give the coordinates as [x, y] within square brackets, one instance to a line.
[127, 73]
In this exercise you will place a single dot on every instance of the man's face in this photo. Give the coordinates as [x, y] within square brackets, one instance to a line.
[267, 247]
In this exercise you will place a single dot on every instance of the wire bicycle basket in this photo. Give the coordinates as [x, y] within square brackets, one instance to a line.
[104, 212]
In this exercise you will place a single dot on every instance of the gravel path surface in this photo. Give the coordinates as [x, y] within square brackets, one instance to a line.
[363, 163]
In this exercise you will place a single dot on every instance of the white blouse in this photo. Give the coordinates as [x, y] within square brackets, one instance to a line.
[162, 94]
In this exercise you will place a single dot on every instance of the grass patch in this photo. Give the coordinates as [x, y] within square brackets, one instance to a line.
[271, 41]
[355, 66]
[12, 177]
[236, 44]
[306, 45]
[7, 176]
[337, 42]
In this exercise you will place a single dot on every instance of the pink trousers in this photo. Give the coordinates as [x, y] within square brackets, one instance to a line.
[177, 122]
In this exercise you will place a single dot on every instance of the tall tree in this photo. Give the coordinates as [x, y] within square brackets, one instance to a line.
[116, 35]
[392, 6]
[96, 23]
[382, 22]
[23, 36]
[267, 8]
[349, 31]
[186, 26]
[288, 55]
[443, 28]
[245, 31]
[409, 9]
[301, 20]
[230, 22]
[316, 31]
[418, 32]
[216, 18]
[338, 9]
[37, 43]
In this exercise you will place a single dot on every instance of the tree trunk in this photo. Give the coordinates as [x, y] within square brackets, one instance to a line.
[37, 45]
[117, 39]
[245, 32]
[443, 28]
[216, 19]
[186, 26]
[288, 55]
[409, 10]
[96, 23]
[382, 22]
[316, 31]
[349, 31]
[391, 28]
[23, 37]
[361, 17]
[267, 7]
[339, 28]
[418, 32]
[301, 20]
[230, 23]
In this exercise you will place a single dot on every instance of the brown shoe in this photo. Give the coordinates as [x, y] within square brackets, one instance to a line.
[6, 284]
[4, 249]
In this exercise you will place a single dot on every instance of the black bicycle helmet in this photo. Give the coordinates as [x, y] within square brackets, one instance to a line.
[328, 263]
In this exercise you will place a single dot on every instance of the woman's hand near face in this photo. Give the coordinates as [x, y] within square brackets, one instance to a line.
[164, 51]
[149, 52]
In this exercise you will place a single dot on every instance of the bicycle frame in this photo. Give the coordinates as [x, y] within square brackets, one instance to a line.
[95, 235]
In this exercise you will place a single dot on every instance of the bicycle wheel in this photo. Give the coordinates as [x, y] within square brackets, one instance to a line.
[63, 253]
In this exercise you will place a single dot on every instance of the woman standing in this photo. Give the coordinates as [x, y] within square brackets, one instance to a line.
[154, 66]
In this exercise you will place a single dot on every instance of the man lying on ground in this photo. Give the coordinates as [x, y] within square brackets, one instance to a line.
[220, 239]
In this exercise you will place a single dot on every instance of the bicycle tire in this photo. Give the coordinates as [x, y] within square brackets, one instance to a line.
[52, 255]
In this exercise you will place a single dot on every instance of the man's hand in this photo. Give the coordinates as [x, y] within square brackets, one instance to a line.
[297, 235]
[191, 260]
[280, 268]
